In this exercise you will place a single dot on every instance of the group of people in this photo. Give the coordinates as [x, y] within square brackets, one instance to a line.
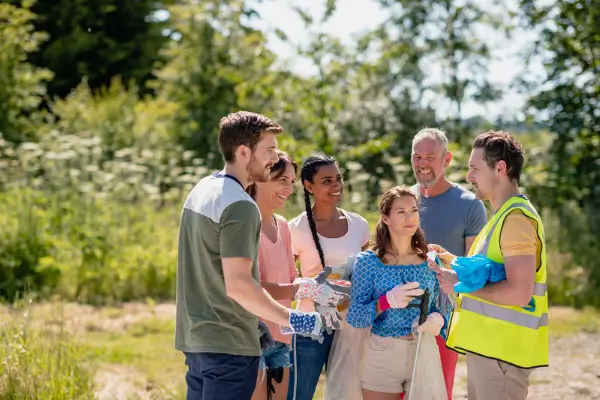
[371, 308]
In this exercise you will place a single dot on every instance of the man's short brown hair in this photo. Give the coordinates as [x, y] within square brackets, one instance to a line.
[243, 128]
[500, 145]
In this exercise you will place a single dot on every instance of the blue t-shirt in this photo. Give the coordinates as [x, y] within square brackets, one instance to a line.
[449, 218]
[372, 278]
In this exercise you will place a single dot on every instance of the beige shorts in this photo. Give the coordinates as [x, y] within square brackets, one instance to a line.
[388, 364]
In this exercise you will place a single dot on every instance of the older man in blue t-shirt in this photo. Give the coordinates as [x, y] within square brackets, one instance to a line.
[451, 216]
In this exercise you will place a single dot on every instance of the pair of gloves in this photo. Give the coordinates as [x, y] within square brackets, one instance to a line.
[401, 295]
[326, 296]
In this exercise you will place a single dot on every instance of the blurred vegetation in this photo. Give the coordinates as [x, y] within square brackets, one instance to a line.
[100, 144]
[40, 359]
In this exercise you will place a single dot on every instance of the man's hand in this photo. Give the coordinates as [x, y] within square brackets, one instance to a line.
[445, 256]
[331, 318]
[308, 324]
[402, 294]
[446, 277]
[433, 324]
[321, 291]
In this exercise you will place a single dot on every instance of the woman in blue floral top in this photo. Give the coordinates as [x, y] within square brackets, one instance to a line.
[385, 281]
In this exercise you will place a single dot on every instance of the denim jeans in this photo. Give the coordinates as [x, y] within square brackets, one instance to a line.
[276, 357]
[216, 376]
[310, 358]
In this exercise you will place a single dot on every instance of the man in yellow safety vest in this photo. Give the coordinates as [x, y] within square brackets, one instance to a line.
[503, 327]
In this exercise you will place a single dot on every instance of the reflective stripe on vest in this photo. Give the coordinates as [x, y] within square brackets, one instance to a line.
[504, 314]
[501, 313]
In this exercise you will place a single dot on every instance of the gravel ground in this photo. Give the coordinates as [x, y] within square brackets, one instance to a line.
[574, 371]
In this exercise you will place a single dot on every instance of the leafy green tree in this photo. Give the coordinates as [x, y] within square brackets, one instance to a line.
[446, 34]
[217, 64]
[567, 102]
[22, 85]
[98, 40]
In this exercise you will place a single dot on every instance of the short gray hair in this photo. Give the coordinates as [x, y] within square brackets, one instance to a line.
[431, 133]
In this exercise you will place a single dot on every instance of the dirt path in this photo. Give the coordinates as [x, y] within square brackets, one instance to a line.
[574, 371]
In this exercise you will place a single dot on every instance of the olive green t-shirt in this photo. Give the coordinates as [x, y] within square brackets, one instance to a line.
[219, 220]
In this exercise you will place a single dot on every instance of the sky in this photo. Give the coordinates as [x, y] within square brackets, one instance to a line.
[353, 17]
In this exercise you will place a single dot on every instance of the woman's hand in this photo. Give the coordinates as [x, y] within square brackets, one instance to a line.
[433, 324]
[447, 278]
[402, 294]
[445, 256]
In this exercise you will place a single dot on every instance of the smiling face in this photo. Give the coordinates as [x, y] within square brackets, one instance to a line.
[429, 161]
[262, 158]
[403, 218]
[481, 175]
[274, 193]
[327, 184]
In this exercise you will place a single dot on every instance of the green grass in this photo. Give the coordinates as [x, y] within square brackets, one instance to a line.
[41, 360]
[565, 321]
[147, 346]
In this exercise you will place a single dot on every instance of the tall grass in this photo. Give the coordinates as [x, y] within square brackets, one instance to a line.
[41, 360]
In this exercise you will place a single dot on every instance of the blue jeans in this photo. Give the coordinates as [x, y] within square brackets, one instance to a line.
[311, 357]
[216, 376]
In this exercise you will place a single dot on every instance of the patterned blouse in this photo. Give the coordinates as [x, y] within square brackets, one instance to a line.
[372, 278]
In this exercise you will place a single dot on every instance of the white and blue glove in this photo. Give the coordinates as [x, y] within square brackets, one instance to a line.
[309, 324]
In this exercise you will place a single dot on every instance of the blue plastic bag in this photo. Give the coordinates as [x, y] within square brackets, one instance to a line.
[475, 272]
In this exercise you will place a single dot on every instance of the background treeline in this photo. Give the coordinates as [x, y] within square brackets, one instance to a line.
[109, 109]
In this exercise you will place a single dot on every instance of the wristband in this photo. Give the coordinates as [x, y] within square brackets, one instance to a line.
[383, 303]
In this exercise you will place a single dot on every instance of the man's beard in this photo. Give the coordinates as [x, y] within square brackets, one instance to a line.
[426, 182]
[257, 172]
[480, 194]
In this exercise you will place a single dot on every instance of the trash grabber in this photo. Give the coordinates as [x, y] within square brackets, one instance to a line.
[423, 306]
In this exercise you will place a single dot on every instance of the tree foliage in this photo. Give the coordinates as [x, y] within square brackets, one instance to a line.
[97, 40]
[139, 101]
[22, 85]
[568, 103]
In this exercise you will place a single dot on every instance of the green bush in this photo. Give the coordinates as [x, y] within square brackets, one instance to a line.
[88, 227]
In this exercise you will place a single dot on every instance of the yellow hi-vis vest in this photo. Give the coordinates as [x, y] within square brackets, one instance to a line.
[507, 333]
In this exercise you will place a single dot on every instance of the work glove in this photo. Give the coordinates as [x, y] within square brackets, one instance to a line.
[402, 294]
[309, 324]
[433, 324]
[265, 337]
[331, 318]
[321, 291]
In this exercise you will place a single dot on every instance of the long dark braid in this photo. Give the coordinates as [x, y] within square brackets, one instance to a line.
[309, 169]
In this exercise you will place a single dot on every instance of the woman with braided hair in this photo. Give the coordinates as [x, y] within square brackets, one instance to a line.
[326, 235]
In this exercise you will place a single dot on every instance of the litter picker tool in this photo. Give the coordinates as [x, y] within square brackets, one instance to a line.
[423, 307]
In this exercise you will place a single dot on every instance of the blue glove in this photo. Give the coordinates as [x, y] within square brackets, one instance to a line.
[309, 324]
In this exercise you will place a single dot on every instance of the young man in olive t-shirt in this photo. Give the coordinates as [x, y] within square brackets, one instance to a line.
[218, 293]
